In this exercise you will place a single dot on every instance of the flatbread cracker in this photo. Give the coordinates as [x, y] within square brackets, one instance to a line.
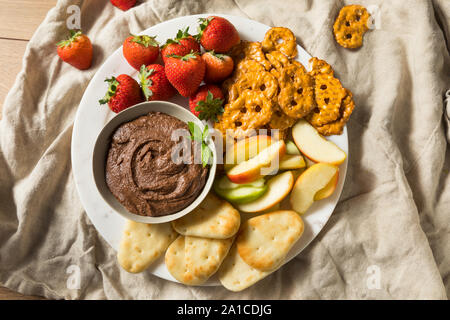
[142, 244]
[265, 240]
[213, 218]
[193, 260]
[236, 275]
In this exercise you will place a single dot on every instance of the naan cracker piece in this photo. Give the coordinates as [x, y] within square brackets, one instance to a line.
[142, 244]
[213, 218]
[193, 260]
[265, 240]
[236, 275]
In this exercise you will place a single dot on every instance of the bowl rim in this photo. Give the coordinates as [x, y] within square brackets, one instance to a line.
[103, 140]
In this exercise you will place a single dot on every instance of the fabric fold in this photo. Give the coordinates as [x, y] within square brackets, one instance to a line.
[388, 237]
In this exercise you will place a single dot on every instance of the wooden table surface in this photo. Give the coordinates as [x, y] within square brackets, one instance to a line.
[20, 18]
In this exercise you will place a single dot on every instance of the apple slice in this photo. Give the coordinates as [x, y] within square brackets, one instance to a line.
[314, 146]
[309, 162]
[246, 149]
[253, 168]
[291, 148]
[309, 183]
[298, 172]
[239, 193]
[242, 194]
[225, 183]
[329, 188]
[291, 162]
[278, 188]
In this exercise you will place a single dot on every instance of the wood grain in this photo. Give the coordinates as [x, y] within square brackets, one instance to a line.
[6, 294]
[11, 53]
[19, 19]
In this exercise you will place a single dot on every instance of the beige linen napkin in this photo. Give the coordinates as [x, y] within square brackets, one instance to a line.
[389, 236]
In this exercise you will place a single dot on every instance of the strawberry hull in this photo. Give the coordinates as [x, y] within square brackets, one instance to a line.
[207, 102]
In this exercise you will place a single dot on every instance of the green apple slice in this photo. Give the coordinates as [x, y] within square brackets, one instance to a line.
[225, 183]
[241, 195]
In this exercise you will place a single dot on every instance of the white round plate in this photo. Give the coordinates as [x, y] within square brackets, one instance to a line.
[91, 117]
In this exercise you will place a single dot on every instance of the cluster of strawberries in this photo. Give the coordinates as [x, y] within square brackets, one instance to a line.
[183, 71]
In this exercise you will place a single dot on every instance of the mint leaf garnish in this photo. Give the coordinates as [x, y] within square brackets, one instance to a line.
[201, 137]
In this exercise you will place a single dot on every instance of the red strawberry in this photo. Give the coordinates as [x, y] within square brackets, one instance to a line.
[207, 102]
[76, 51]
[154, 83]
[181, 45]
[139, 50]
[218, 66]
[173, 49]
[218, 34]
[123, 92]
[185, 73]
[185, 39]
[123, 4]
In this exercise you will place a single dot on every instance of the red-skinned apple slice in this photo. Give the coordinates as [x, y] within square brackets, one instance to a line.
[246, 149]
[329, 188]
[278, 186]
[309, 183]
[314, 146]
[253, 169]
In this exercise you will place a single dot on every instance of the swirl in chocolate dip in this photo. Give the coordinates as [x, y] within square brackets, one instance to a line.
[140, 172]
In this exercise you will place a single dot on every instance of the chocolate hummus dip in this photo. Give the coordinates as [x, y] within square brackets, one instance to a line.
[140, 172]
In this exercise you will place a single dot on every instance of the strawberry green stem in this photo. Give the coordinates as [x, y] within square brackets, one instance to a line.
[74, 34]
[146, 83]
[145, 40]
[113, 85]
[190, 55]
[202, 26]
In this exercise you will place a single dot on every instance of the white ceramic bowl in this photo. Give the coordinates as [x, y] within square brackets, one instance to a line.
[102, 145]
